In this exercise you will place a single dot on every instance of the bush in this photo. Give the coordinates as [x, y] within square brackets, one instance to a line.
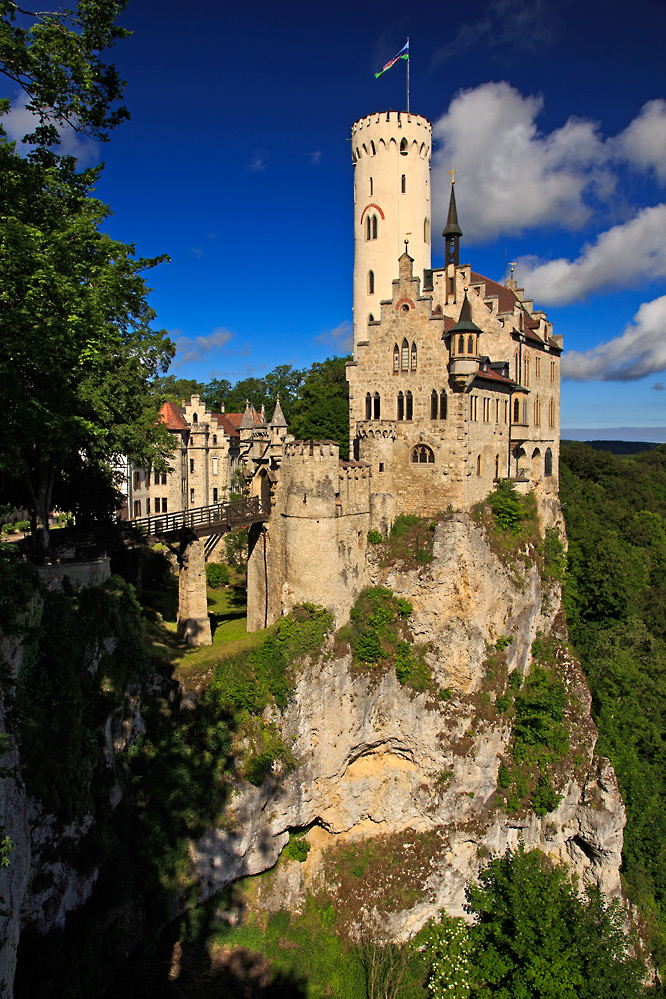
[217, 574]
[506, 506]
[297, 849]
[374, 537]
[504, 776]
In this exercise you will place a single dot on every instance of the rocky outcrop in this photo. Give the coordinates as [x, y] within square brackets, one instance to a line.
[379, 759]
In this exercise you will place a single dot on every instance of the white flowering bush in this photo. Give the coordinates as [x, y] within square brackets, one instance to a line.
[448, 946]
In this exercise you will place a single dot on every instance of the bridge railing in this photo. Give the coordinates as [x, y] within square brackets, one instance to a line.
[218, 515]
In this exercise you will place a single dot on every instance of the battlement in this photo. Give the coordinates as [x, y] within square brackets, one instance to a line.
[355, 470]
[375, 429]
[377, 132]
[312, 450]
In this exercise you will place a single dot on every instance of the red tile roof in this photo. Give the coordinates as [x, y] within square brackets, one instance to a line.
[172, 415]
[507, 298]
[493, 376]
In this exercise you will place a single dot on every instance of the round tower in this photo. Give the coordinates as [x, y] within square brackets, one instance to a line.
[392, 203]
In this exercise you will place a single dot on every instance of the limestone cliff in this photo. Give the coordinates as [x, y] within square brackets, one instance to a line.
[377, 759]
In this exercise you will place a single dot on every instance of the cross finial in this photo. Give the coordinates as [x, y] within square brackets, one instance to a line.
[452, 174]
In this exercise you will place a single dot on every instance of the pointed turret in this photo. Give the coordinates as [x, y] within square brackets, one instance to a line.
[463, 347]
[247, 423]
[465, 323]
[452, 231]
[278, 416]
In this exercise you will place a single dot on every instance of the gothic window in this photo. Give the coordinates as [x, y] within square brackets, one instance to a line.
[413, 357]
[470, 344]
[401, 406]
[405, 356]
[368, 406]
[377, 405]
[396, 358]
[516, 367]
[537, 412]
[368, 227]
[437, 311]
[371, 318]
[409, 406]
[537, 367]
[433, 405]
[442, 405]
[516, 411]
[548, 462]
[371, 282]
[526, 370]
[552, 371]
[403, 147]
[461, 344]
[403, 184]
[374, 227]
[525, 412]
[423, 455]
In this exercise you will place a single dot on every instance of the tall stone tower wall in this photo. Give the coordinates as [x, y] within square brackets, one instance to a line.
[391, 154]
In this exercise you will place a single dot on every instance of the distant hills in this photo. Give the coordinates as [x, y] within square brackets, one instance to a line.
[616, 447]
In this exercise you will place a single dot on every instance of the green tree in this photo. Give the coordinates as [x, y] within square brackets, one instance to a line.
[321, 411]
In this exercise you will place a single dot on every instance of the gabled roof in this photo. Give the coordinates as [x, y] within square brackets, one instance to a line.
[172, 415]
[506, 298]
[490, 375]
[226, 422]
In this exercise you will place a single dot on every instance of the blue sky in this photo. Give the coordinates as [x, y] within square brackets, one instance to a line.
[237, 164]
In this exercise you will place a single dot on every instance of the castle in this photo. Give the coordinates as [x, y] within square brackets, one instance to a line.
[454, 384]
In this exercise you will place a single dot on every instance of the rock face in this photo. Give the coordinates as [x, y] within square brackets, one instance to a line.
[378, 759]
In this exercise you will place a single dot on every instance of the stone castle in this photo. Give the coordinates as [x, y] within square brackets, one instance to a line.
[454, 384]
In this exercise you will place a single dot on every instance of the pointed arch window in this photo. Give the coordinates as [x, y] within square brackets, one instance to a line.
[405, 356]
[401, 406]
[374, 227]
[470, 344]
[371, 318]
[423, 455]
[516, 411]
[368, 227]
[409, 406]
[396, 359]
[497, 466]
[548, 462]
[526, 370]
[443, 407]
[414, 357]
[433, 405]
[368, 406]
[377, 406]
[461, 344]
[403, 147]
[195, 418]
[371, 282]
[479, 465]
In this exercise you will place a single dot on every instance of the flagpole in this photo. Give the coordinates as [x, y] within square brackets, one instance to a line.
[408, 78]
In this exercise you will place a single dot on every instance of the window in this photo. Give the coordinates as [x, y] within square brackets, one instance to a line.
[461, 344]
[381, 466]
[548, 462]
[164, 504]
[191, 465]
[377, 405]
[423, 455]
[452, 285]
[537, 367]
[214, 494]
[497, 466]
[164, 478]
[403, 184]
[433, 405]
[195, 418]
[516, 411]
[472, 407]
[479, 465]
[442, 405]
[192, 497]
[525, 412]
[409, 406]
[426, 230]
[371, 282]
[552, 371]
[403, 147]
[368, 406]
[486, 409]
[516, 368]
[497, 402]
[137, 479]
[374, 227]
[214, 466]
[157, 504]
[157, 478]
[371, 318]
[148, 507]
[506, 410]
[470, 344]
[371, 187]
[368, 227]
[526, 370]
[396, 359]
[537, 412]
[405, 356]
[137, 508]
[413, 357]
[214, 438]
[551, 413]
[401, 406]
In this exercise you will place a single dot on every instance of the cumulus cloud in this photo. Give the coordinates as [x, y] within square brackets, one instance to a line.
[643, 142]
[341, 338]
[512, 177]
[19, 122]
[639, 351]
[619, 257]
[190, 349]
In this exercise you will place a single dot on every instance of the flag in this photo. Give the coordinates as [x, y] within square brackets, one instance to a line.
[402, 54]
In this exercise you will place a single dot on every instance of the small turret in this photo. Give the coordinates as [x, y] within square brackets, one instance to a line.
[464, 346]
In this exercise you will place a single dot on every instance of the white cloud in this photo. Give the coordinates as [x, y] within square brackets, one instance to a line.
[190, 349]
[341, 338]
[19, 122]
[512, 177]
[619, 257]
[643, 142]
[639, 351]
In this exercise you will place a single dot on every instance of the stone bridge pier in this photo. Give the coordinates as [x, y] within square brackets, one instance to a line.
[193, 621]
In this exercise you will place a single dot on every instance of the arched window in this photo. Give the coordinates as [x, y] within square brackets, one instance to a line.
[403, 184]
[371, 282]
[470, 344]
[526, 370]
[423, 455]
[437, 311]
[368, 406]
[214, 438]
[405, 356]
[396, 359]
[497, 466]
[368, 227]
[195, 418]
[413, 357]
[443, 405]
[377, 406]
[537, 412]
[401, 406]
[371, 318]
[516, 411]
[548, 462]
[426, 230]
[433, 405]
[403, 147]
[479, 465]
[374, 227]
[409, 406]
[461, 344]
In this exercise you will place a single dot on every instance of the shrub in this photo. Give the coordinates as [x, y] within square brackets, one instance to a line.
[506, 506]
[503, 702]
[555, 557]
[504, 776]
[545, 798]
[374, 537]
[217, 574]
[297, 849]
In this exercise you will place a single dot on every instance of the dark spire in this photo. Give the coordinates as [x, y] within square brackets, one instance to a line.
[465, 324]
[452, 231]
